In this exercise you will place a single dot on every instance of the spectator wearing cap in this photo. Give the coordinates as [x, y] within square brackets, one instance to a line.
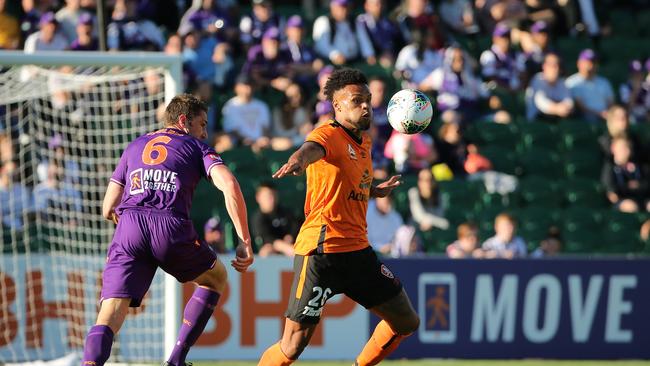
[268, 64]
[458, 16]
[213, 235]
[321, 78]
[535, 45]
[128, 32]
[246, 120]
[592, 93]
[68, 18]
[85, 40]
[379, 37]
[253, 26]
[273, 227]
[324, 112]
[418, 15]
[457, 87]
[9, 29]
[635, 92]
[304, 62]
[334, 35]
[47, 38]
[547, 98]
[499, 63]
[210, 20]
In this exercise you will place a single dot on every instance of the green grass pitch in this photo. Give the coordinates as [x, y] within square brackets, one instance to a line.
[452, 363]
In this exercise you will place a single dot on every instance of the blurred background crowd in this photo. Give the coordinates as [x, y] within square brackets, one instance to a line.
[540, 142]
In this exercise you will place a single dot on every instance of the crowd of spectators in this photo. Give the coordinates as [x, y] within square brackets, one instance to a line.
[262, 72]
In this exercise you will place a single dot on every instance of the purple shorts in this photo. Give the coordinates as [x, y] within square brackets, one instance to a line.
[146, 240]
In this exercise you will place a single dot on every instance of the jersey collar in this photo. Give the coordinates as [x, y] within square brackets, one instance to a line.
[358, 140]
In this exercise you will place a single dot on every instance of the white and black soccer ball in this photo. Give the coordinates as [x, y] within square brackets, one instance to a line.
[409, 111]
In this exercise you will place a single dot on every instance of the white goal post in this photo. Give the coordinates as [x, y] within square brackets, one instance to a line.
[65, 118]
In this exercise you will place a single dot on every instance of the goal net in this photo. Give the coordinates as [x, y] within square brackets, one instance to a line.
[65, 119]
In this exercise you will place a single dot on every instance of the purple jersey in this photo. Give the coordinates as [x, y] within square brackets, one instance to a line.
[161, 169]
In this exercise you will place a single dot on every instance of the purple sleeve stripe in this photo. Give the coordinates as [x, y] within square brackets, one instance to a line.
[213, 165]
[117, 182]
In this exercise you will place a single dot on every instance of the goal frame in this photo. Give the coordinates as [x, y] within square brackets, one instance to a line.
[173, 80]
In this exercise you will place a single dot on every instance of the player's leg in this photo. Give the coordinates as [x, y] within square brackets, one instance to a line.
[295, 338]
[312, 286]
[100, 336]
[374, 286]
[198, 310]
[399, 320]
[181, 254]
[126, 278]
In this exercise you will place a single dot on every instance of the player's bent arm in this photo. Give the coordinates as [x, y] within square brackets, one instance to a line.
[111, 200]
[308, 153]
[223, 179]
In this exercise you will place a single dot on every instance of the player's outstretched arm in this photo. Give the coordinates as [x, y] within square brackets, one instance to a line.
[223, 179]
[111, 200]
[383, 189]
[308, 153]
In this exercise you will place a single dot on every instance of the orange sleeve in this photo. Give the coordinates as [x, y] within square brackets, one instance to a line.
[323, 137]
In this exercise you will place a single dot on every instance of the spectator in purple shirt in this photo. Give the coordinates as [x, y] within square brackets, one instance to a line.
[210, 19]
[128, 32]
[267, 64]
[379, 37]
[635, 92]
[254, 25]
[499, 63]
[85, 40]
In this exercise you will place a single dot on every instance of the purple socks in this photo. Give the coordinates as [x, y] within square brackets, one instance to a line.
[196, 315]
[98, 345]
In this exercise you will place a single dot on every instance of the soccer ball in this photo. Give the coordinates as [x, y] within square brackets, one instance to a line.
[409, 111]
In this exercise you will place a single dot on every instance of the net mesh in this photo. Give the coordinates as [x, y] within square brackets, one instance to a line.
[62, 130]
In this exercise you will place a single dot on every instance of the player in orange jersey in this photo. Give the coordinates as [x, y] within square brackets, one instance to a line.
[333, 255]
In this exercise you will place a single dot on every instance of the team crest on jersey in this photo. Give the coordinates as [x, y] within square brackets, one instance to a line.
[386, 272]
[353, 154]
[137, 185]
[214, 157]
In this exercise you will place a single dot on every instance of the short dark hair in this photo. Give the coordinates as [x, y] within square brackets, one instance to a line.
[342, 77]
[186, 104]
[267, 184]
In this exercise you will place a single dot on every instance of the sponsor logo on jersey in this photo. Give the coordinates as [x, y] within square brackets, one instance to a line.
[386, 272]
[214, 157]
[153, 179]
[358, 196]
[137, 185]
[366, 180]
[353, 154]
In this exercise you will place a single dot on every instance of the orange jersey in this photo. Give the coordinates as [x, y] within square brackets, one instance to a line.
[338, 188]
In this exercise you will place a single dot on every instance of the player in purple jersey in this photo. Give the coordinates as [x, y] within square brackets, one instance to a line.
[149, 198]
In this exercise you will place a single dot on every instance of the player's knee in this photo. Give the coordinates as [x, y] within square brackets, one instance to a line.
[215, 278]
[293, 349]
[407, 325]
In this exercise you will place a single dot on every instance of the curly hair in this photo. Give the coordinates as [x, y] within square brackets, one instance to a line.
[342, 77]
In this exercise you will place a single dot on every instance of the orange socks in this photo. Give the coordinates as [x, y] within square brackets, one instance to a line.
[274, 357]
[382, 343]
